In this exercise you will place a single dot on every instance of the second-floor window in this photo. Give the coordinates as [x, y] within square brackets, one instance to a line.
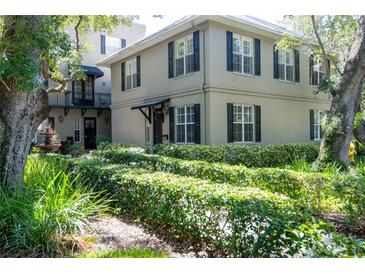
[184, 55]
[243, 54]
[131, 74]
[317, 72]
[286, 65]
[109, 44]
[83, 91]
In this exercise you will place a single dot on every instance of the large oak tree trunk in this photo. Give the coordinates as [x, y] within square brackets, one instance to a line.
[345, 102]
[359, 128]
[20, 115]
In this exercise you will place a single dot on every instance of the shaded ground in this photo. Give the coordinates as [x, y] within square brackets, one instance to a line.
[111, 233]
[339, 220]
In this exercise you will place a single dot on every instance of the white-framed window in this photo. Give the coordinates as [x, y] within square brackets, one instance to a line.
[317, 119]
[243, 123]
[131, 74]
[185, 124]
[286, 64]
[318, 72]
[77, 130]
[112, 44]
[184, 55]
[243, 54]
[147, 135]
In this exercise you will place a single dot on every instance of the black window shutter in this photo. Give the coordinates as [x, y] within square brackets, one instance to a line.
[102, 44]
[229, 122]
[123, 76]
[138, 70]
[171, 125]
[311, 74]
[276, 62]
[257, 57]
[123, 43]
[329, 66]
[297, 65]
[311, 123]
[258, 123]
[171, 59]
[229, 51]
[196, 51]
[197, 123]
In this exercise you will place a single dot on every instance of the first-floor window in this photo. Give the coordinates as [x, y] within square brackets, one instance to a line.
[185, 124]
[318, 116]
[243, 123]
[147, 132]
[77, 130]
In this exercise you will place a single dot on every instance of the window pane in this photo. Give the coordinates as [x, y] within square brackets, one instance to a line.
[289, 73]
[180, 133]
[180, 66]
[189, 63]
[191, 133]
[180, 50]
[237, 44]
[281, 57]
[237, 132]
[237, 114]
[189, 45]
[237, 62]
[129, 82]
[190, 114]
[248, 114]
[320, 78]
[281, 71]
[248, 132]
[289, 57]
[246, 47]
[134, 80]
[247, 65]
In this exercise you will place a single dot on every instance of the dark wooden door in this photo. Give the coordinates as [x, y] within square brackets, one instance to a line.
[90, 133]
[157, 127]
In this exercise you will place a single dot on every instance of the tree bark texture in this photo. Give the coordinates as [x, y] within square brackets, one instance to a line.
[20, 115]
[345, 102]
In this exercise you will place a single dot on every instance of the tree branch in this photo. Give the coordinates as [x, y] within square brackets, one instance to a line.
[81, 17]
[324, 54]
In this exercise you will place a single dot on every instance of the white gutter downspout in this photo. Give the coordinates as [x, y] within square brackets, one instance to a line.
[203, 84]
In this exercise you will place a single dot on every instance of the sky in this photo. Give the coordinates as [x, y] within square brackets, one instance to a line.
[155, 24]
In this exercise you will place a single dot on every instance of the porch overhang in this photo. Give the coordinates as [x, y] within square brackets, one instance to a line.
[95, 71]
[150, 105]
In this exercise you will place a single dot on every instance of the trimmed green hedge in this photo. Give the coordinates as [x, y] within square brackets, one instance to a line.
[243, 221]
[312, 190]
[251, 156]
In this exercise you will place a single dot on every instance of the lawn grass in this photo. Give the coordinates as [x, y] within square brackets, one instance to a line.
[128, 253]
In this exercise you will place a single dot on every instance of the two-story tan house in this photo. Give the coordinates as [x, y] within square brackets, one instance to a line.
[82, 113]
[215, 80]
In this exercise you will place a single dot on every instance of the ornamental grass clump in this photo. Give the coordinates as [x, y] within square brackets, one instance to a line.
[52, 206]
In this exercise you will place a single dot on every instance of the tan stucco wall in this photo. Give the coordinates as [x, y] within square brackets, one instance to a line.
[283, 120]
[65, 128]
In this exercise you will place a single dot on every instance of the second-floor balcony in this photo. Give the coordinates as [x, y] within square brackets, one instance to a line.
[73, 99]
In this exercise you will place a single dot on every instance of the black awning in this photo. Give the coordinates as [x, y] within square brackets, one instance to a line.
[151, 103]
[89, 70]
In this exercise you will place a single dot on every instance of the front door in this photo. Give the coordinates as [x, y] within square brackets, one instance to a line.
[157, 127]
[90, 133]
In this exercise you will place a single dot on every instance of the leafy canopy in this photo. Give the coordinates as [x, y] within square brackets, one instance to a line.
[32, 48]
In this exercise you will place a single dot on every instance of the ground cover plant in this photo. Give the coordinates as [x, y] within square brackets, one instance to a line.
[129, 253]
[242, 221]
[41, 219]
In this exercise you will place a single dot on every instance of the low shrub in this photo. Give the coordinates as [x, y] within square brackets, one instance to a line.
[244, 221]
[251, 156]
[313, 190]
[53, 205]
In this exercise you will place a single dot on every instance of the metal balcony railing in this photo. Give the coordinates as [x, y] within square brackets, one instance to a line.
[71, 99]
